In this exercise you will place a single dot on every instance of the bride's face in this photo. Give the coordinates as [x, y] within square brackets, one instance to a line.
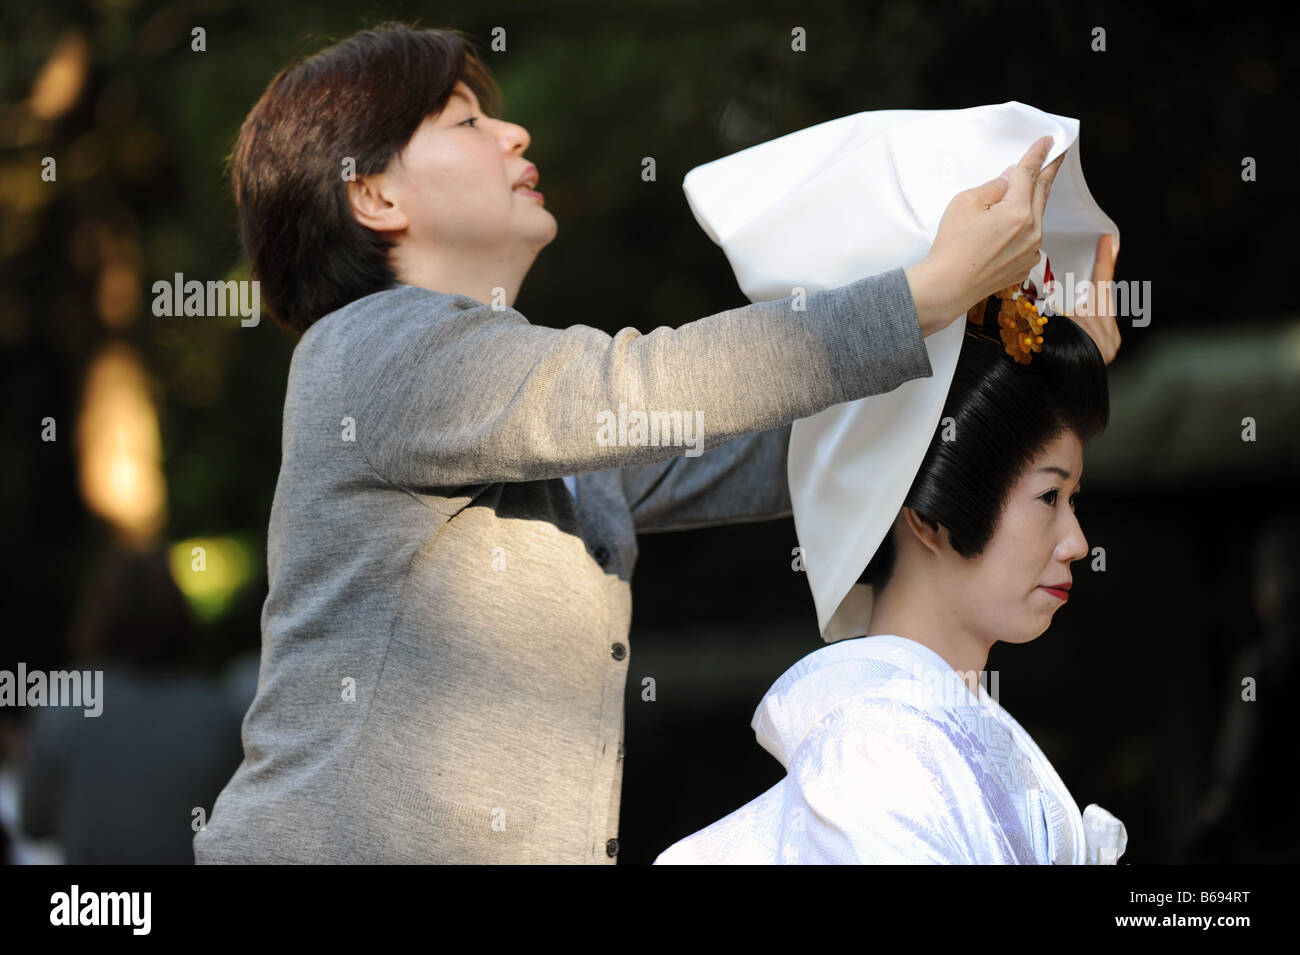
[1004, 590]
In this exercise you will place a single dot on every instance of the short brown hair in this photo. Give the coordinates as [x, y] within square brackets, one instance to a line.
[364, 98]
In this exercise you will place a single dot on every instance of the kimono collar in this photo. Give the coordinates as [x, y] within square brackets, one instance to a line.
[814, 685]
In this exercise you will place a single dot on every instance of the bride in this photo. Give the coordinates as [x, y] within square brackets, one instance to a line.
[934, 520]
[894, 749]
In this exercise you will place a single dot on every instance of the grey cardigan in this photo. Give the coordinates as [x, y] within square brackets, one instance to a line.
[445, 637]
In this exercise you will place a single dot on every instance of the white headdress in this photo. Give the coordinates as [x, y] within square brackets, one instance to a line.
[857, 196]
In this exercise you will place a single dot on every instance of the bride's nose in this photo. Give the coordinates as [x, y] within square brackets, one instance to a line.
[1074, 546]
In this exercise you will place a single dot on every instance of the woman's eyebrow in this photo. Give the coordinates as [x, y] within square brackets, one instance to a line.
[1062, 472]
[467, 97]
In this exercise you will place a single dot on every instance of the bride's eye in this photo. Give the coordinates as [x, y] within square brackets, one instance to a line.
[1051, 497]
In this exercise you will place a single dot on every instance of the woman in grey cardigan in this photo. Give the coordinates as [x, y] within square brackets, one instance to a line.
[445, 639]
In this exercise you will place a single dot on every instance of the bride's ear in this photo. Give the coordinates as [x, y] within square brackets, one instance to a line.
[930, 535]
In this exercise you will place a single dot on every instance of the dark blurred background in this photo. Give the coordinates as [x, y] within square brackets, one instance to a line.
[167, 434]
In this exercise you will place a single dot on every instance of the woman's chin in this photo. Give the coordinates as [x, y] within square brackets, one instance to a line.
[1026, 634]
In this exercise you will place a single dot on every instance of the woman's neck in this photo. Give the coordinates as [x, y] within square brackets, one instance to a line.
[931, 624]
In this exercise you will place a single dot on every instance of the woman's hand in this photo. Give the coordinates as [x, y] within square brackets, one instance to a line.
[988, 239]
[1097, 313]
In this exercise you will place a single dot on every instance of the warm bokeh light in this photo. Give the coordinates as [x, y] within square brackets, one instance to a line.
[59, 85]
[120, 446]
[117, 297]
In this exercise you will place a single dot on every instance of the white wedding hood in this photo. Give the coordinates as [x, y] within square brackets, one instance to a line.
[857, 196]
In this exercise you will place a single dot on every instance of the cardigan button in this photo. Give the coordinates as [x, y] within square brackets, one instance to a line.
[601, 554]
[611, 848]
[618, 651]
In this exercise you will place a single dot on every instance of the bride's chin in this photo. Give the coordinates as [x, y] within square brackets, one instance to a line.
[1025, 636]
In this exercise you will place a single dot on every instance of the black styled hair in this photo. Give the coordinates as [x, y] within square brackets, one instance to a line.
[362, 98]
[1004, 414]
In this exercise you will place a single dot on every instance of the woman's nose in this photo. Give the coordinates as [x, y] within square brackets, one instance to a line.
[1075, 545]
[516, 137]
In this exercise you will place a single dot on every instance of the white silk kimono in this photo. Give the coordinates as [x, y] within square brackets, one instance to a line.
[891, 759]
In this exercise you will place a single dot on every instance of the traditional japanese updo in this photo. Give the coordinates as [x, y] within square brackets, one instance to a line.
[1003, 415]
